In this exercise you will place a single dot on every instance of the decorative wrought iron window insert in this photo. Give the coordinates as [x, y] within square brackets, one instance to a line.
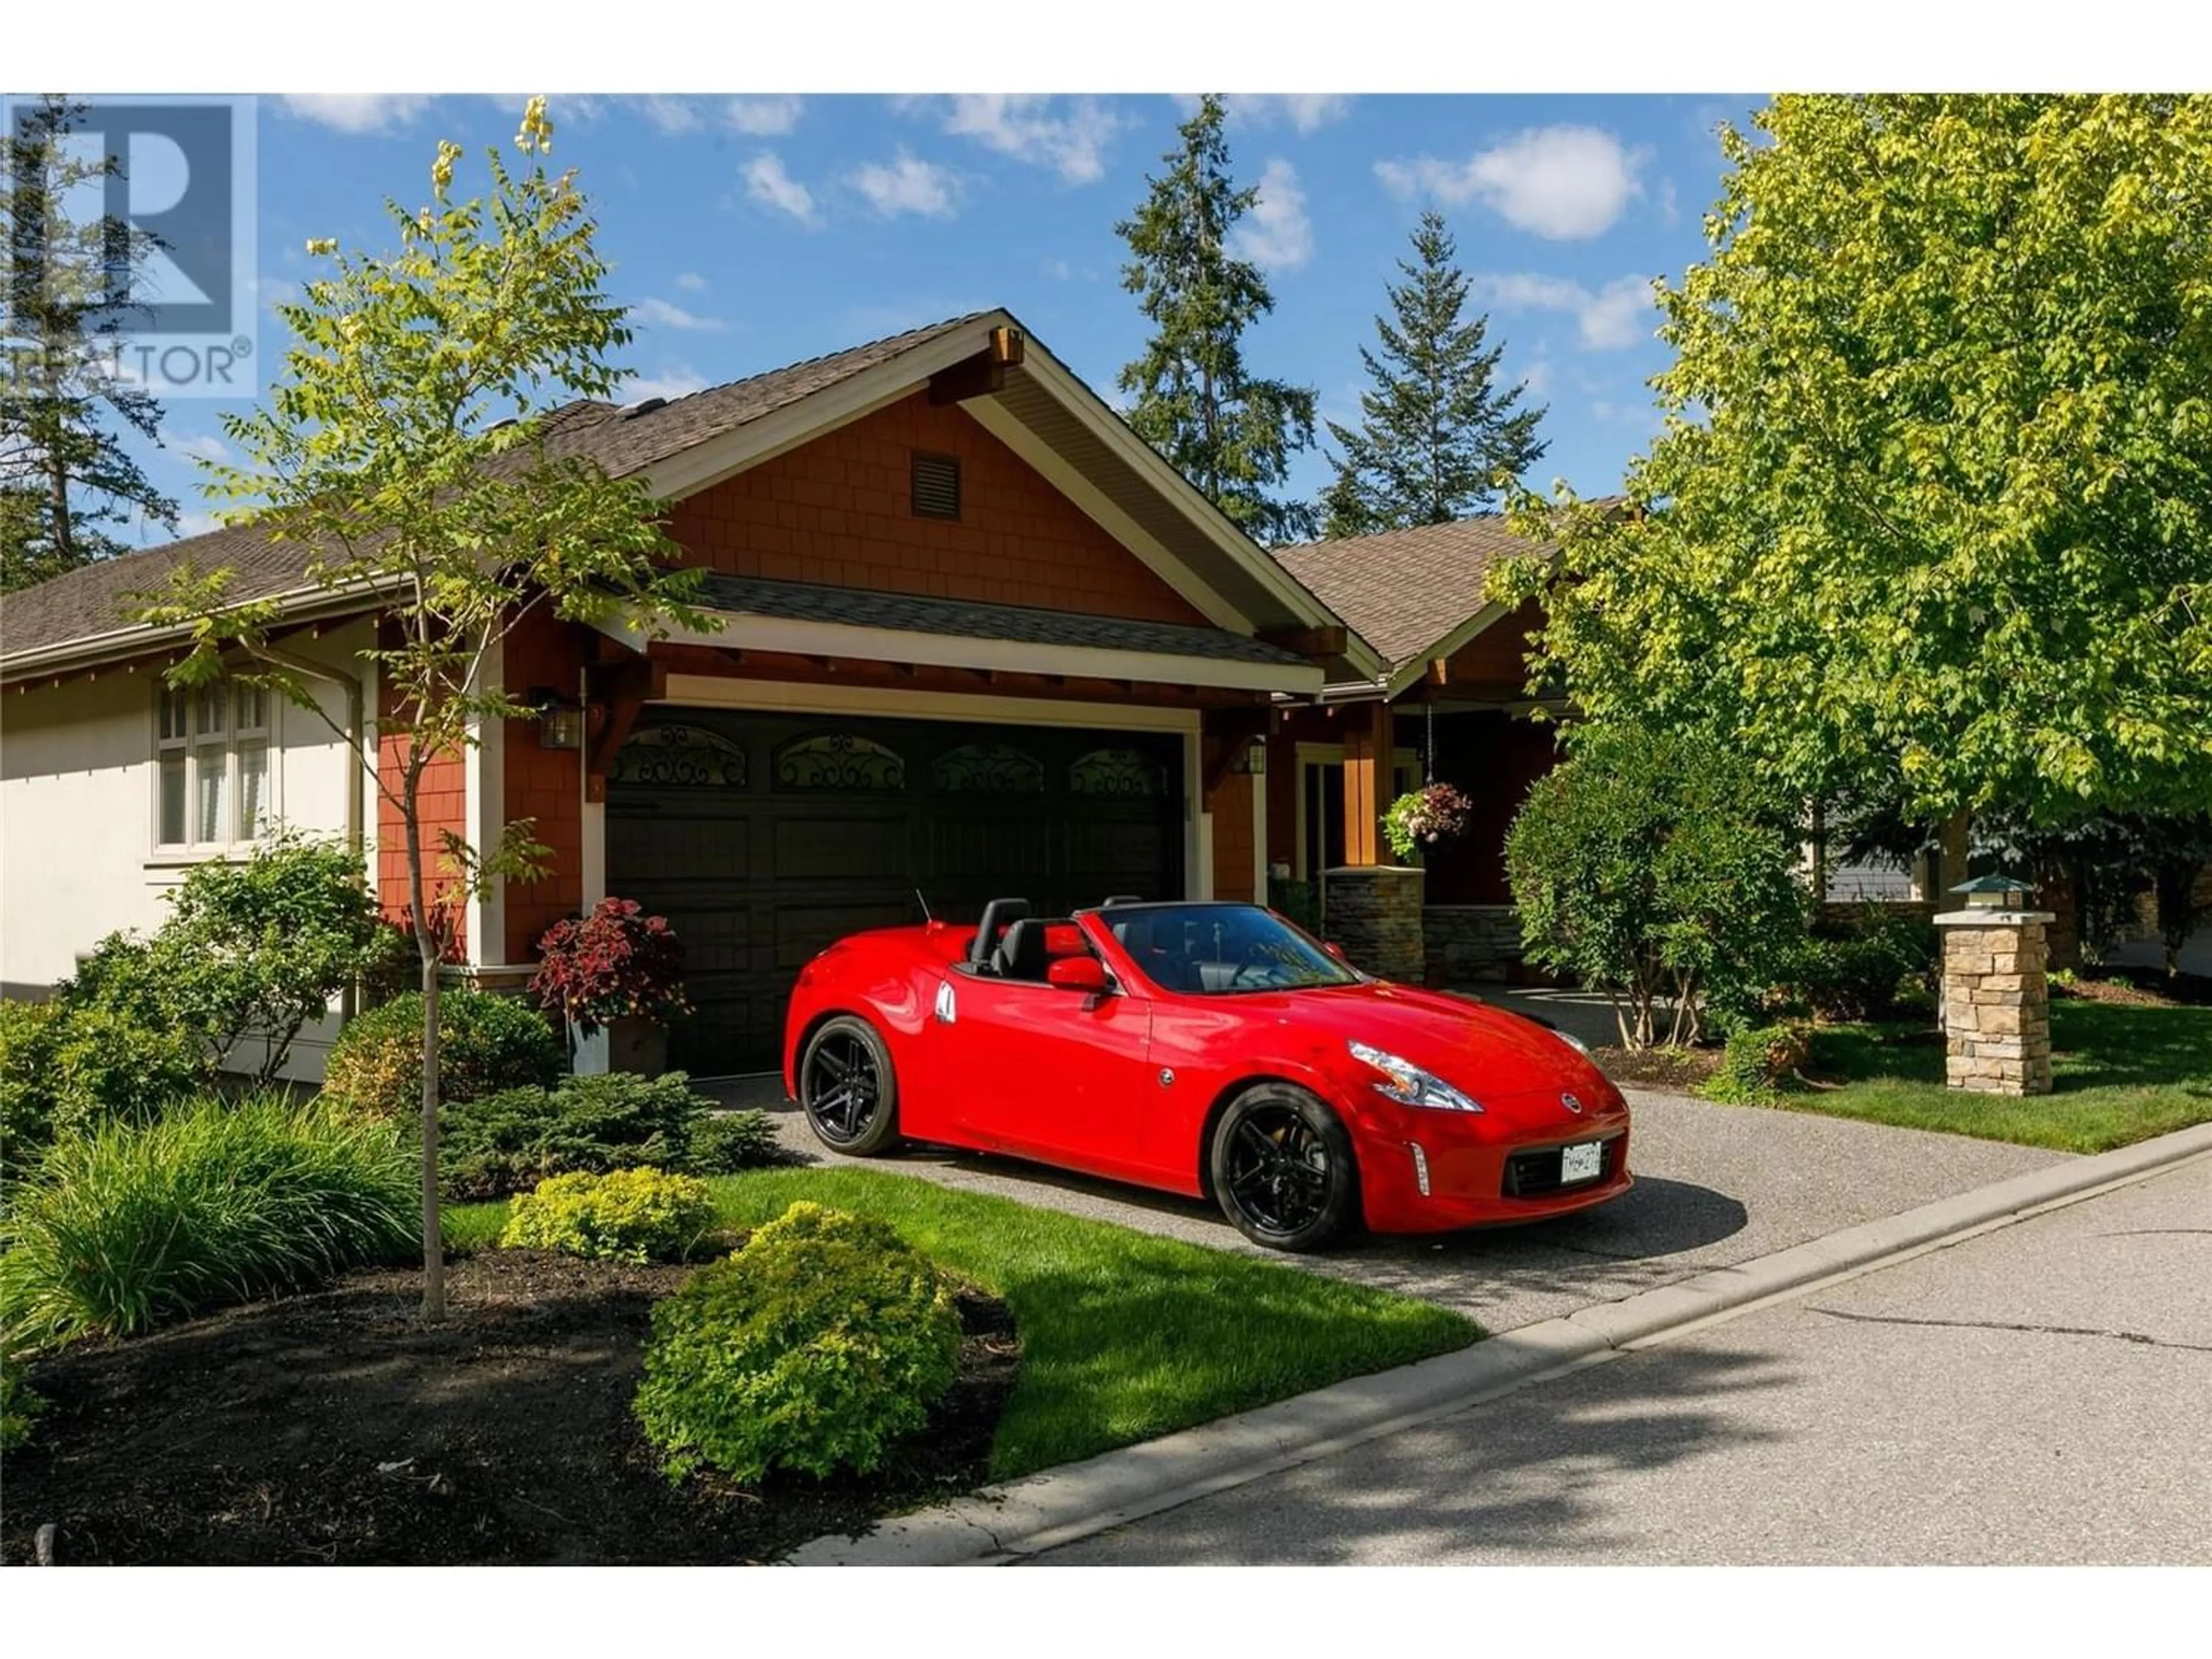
[839, 761]
[936, 486]
[1120, 774]
[987, 768]
[681, 758]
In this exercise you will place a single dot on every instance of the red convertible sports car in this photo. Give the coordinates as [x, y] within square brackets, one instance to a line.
[1212, 1049]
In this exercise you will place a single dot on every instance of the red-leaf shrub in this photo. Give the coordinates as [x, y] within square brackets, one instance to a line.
[614, 961]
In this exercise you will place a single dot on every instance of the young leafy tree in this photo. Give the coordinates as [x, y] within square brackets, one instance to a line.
[1229, 434]
[405, 447]
[65, 475]
[1931, 515]
[1436, 435]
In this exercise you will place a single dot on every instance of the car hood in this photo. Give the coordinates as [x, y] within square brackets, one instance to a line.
[1491, 1053]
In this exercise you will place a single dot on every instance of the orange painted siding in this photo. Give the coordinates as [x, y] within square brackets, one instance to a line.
[837, 511]
[1230, 803]
[546, 785]
[442, 804]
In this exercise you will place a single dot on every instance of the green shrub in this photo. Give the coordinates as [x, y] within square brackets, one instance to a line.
[129, 1225]
[1865, 969]
[63, 1069]
[19, 1406]
[486, 1043]
[1657, 865]
[251, 950]
[508, 1142]
[813, 1348]
[1759, 1063]
[727, 1142]
[626, 1215]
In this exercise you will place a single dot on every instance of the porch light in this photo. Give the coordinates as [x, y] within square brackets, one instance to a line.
[560, 725]
[1994, 892]
[1253, 761]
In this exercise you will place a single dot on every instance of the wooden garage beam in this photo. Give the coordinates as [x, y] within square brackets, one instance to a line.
[981, 374]
[616, 693]
[1230, 731]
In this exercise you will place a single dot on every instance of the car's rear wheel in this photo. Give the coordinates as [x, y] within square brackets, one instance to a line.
[1283, 1168]
[847, 1089]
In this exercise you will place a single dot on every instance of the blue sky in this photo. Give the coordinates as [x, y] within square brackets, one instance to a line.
[751, 232]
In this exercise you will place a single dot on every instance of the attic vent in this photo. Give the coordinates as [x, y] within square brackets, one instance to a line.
[646, 406]
[936, 486]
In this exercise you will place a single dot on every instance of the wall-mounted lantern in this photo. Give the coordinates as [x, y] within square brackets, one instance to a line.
[560, 725]
[1253, 761]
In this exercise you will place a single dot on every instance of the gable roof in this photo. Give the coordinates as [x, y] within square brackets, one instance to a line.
[685, 444]
[1414, 594]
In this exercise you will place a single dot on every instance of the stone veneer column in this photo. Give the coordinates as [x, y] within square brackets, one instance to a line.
[1996, 1001]
[1374, 914]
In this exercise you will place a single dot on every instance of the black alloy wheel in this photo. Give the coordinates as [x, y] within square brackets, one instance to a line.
[1283, 1168]
[846, 1088]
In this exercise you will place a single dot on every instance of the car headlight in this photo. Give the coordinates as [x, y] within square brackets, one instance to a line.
[1408, 1084]
[1572, 1042]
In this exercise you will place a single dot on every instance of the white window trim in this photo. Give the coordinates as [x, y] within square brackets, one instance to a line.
[193, 747]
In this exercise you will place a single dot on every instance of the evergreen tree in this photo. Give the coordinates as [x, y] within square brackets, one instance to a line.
[1231, 435]
[65, 475]
[1436, 434]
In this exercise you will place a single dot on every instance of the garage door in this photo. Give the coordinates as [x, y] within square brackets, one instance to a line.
[764, 837]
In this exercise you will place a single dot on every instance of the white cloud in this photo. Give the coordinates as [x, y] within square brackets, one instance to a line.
[1308, 112]
[1068, 136]
[1278, 236]
[203, 447]
[197, 523]
[1564, 183]
[691, 283]
[356, 112]
[1619, 314]
[671, 383]
[763, 118]
[1669, 208]
[909, 184]
[661, 314]
[1059, 269]
[767, 181]
[675, 117]
[1538, 378]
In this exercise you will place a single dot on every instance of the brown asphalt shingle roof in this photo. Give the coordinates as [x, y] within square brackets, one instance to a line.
[861, 607]
[1404, 590]
[91, 601]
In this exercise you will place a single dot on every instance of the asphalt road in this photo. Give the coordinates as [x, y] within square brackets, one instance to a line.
[1715, 1185]
[2038, 1394]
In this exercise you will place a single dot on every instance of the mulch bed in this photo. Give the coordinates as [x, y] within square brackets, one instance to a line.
[1679, 1069]
[335, 1428]
[2138, 988]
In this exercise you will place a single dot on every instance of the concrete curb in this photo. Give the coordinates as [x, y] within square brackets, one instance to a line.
[1057, 1506]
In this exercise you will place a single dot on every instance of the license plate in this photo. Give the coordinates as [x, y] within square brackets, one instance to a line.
[1583, 1163]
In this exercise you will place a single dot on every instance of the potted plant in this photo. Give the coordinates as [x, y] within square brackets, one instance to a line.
[616, 968]
[1425, 818]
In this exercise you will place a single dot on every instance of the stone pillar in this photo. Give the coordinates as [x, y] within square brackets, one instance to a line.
[1996, 1003]
[1374, 914]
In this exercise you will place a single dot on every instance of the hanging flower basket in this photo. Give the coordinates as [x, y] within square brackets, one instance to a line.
[1425, 818]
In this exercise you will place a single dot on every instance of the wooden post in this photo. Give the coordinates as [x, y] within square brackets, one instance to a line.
[1368, 750]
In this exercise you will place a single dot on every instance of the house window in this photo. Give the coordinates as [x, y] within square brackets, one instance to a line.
[212, 777]
[936, 486]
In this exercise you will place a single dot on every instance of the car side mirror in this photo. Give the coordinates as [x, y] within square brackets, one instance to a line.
[1087, 974]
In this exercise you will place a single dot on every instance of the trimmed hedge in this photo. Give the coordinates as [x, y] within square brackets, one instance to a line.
[813, 1348]
[1759, 1063]
[624, 1215]
[508, 1142]
[128, 1225]
[486, 1043]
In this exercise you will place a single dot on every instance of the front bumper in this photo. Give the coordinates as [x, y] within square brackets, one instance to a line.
[1479, 1177]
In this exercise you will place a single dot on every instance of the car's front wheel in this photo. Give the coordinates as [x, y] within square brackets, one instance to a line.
[1283, 1168]
[847, 1089]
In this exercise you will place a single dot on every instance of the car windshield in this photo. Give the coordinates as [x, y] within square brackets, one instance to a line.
[1217, 950]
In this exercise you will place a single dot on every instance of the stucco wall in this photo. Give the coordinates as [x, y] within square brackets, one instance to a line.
[77, 854]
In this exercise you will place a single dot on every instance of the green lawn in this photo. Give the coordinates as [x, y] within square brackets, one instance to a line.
[2119, 1074]
[1124, 1336]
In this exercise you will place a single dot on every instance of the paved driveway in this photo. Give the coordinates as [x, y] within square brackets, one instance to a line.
[1715, 1185]
[2039, 1393]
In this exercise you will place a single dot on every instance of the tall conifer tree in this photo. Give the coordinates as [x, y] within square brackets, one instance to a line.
[1437, 432]
[66, 481]
[1229, 434]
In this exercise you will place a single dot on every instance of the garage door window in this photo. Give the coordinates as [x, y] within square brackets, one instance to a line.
[838, 761]
[1123, 774]
[987, 768]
